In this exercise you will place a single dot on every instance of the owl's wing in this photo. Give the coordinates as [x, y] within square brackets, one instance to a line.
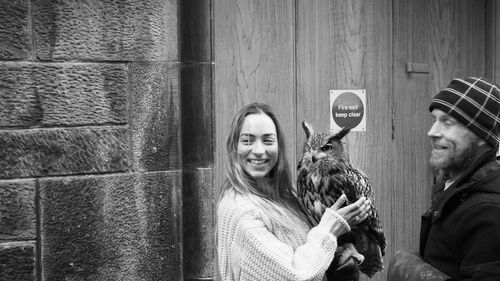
[375, 228]
[372, 225]
[370, 242]
[369, 235]
[371, 250]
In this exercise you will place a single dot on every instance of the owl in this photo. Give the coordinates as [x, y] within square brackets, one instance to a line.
[324, 174]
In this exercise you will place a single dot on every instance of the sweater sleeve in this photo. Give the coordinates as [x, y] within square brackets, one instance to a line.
[249, 251]
[476, 238]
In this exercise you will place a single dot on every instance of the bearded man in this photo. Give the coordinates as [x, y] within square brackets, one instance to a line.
[460, 233]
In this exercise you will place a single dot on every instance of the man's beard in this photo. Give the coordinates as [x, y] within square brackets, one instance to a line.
[457, 161]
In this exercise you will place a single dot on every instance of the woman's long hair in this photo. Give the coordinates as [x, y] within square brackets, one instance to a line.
[275, 195]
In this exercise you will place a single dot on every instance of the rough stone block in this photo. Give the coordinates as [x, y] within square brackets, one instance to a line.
[198, 147]
[62, 94]
[106, 30]
[196, 30]
[44, 152]
[112, 227]
[199, 224]
[17, 210]
[15, 40]
[155, 116]
[17, 261]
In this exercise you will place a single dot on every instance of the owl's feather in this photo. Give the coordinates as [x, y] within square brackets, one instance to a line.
[324, 174]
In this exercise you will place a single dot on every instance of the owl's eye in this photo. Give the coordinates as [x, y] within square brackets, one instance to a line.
[327, 147]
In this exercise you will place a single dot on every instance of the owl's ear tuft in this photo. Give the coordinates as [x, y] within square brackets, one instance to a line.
[308, 129]
[342, 133]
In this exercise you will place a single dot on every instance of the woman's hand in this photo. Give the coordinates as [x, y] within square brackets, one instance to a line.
[354, 213]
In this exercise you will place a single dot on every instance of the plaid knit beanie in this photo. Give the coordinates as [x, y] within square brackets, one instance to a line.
[475, 103]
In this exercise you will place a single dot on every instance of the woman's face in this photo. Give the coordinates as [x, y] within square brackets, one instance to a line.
[258, 145]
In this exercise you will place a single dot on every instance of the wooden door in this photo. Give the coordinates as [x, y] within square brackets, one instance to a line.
[442, 40]
[291, 53]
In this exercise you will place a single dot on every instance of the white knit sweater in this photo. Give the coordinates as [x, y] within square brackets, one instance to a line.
[250, 249]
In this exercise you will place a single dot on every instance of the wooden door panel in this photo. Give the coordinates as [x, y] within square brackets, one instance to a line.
[347, 45]
[412, 94]
[254, 54]
[456, 39]
[448, 37]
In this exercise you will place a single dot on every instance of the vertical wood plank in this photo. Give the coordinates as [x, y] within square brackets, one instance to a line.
[490, 38]
[347, 45]
[493, 40]
[496, 74]
[449, 36]
[457, 39]
[411, 98]
[254, 62]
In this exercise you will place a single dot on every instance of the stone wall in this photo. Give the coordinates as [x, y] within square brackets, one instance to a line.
[98, 148]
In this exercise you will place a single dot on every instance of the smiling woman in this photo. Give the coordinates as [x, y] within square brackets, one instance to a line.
[258, 145]
[262, 232]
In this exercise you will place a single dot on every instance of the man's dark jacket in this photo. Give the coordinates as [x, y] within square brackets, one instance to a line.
[460, 233]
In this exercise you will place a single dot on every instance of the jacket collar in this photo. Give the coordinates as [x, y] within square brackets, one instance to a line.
[481, 166]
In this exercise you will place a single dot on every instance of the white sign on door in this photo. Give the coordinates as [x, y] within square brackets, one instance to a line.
[348, 109]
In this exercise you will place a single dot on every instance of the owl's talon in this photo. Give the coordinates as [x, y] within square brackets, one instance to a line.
[348, 250]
